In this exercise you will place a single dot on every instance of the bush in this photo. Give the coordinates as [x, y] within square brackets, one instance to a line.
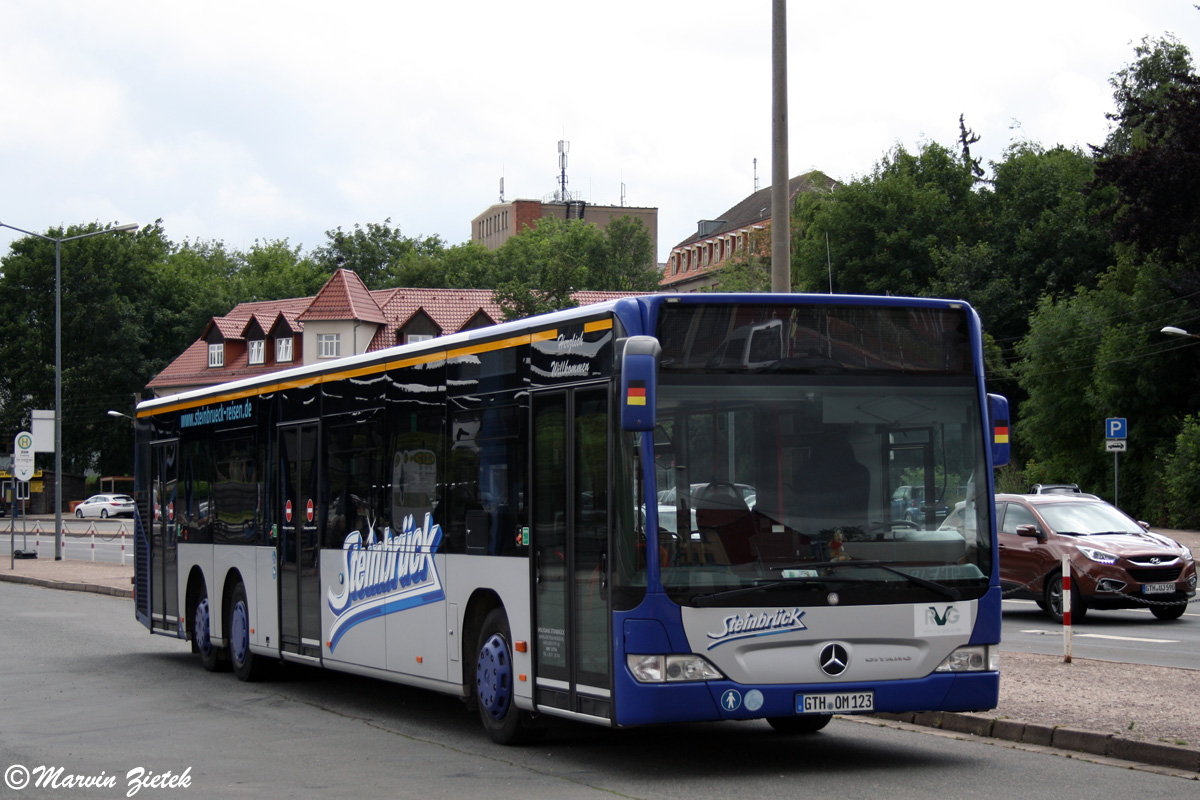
[1182, 467]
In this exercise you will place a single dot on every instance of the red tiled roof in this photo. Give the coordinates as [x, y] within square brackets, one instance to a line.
[450, 309]
[344, 296]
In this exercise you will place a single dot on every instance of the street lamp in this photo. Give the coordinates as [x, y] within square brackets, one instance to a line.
[126, 228]
[119, 414]
[1171, 330]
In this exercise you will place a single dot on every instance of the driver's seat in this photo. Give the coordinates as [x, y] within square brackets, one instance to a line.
[721, 510]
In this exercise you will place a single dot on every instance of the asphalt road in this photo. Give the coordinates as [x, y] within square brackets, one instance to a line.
[1130, 636]
[85, 688]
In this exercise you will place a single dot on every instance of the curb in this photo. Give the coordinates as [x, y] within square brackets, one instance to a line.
[70, 586]
[1097, 744]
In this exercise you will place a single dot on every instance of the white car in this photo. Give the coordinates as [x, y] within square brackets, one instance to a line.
[105, 506]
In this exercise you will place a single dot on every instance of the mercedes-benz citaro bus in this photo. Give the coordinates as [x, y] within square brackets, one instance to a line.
[657, 509]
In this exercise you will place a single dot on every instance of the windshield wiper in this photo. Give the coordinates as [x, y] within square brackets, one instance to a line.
[702, 600]
[949, 592]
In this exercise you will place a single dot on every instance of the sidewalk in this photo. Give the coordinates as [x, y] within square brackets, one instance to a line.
[79, 576]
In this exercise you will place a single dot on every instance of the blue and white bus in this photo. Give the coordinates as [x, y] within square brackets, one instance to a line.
[657, 509]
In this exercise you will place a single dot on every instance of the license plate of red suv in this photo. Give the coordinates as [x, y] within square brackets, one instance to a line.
[1158, 588]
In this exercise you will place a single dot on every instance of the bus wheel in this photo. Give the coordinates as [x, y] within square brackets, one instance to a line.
[210, 654]
[494, 690]
[807, 723]
[246, 666]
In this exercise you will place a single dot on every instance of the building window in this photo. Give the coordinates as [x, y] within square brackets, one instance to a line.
[256, 351]
[329, 345]
[410, 338]
[216, 355]
[283, 348]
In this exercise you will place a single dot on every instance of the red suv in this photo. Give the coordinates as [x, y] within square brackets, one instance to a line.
[1115, 562]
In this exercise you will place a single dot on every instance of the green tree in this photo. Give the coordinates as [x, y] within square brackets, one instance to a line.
[273, 270]
[884, 229]
[538, 269]
[1140, 89]
[469, 266]
[627, 262]
[373, 251]
[1181, 468]
[108, 337]
[1037, 234]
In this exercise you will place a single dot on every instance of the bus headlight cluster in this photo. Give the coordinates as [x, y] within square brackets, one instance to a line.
[975, 658]
[671, 669]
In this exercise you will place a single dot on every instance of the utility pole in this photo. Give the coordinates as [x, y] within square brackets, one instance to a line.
[781, 212]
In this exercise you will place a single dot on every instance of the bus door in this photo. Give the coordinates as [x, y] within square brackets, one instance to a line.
[297, 541]
[571, 505]
[164, 534]
[917, 495]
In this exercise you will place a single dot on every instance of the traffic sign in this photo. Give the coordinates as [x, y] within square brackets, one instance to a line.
[1115, 446]
[23, 456]
[1115, 428]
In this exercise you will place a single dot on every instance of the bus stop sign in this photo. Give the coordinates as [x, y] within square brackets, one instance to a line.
[23, 456]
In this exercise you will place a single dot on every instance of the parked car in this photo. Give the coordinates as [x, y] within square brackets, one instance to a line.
[667, 509]
[105, 506]
[908, 505]
[1115, 561]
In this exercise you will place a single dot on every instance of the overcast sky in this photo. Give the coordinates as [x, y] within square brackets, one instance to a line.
[247, 120]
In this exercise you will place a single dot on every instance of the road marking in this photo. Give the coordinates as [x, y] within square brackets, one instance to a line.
[1104, 636]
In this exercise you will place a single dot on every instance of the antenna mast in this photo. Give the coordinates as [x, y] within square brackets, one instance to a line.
[563, 148]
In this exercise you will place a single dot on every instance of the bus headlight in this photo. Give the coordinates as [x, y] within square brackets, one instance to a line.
[671, 669]
[975, 658]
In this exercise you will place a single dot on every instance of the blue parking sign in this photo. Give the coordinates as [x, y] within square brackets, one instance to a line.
[1115, 428]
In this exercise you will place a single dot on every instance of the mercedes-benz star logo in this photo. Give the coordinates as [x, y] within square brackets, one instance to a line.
[834, 659]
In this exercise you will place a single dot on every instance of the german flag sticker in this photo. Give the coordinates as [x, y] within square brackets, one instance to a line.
[1001, 431]
[636, 395]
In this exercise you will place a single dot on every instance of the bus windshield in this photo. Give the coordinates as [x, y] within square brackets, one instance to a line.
[775, 480]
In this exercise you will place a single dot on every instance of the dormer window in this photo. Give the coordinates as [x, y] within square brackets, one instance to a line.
[216, 355]
[283, 349]
[256, 351]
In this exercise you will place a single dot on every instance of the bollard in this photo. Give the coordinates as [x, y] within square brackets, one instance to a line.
[1066, 608]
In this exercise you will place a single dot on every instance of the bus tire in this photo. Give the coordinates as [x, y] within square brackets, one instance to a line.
[806, 723]
[494, 685]
[210, 654]
[246, 665]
